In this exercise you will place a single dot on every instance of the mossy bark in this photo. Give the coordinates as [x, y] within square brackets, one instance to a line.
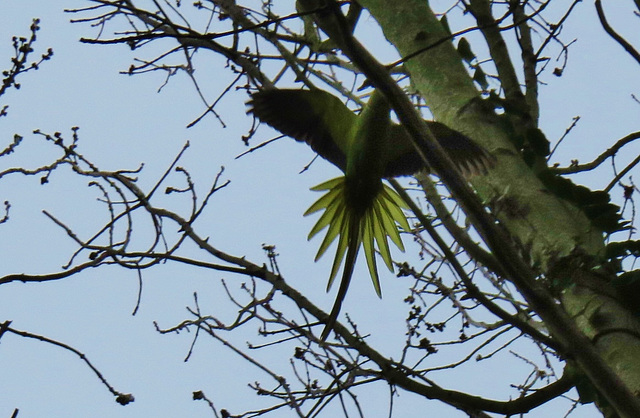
[547, 228]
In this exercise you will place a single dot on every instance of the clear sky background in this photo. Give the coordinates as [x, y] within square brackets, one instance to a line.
[123, 122]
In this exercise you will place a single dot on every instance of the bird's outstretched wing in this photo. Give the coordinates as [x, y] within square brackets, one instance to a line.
[313, 116]
[322, 121]
[471, 159]
[371, 229]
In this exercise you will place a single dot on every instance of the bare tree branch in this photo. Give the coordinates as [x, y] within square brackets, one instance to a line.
[619, 39]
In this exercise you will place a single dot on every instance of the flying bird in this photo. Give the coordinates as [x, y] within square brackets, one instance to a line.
[368, 147]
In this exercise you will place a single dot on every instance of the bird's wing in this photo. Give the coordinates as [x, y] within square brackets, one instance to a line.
[470, 158]
[312, 116]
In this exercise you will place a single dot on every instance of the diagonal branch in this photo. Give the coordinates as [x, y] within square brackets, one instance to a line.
[473, 290]
[600, 158]
[617, 37]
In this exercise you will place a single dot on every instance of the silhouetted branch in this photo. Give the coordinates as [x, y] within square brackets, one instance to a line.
[121, 398]
[617, 37]
[600, 159]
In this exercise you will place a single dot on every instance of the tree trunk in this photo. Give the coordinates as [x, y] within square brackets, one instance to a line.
[552, 232]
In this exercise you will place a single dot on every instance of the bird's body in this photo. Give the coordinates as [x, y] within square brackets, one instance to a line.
[358, 207]
[362, 186]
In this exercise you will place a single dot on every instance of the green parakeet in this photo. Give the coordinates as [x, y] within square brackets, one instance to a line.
[358, 207]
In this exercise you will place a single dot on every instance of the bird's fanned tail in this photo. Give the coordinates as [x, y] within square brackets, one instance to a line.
[371, 229]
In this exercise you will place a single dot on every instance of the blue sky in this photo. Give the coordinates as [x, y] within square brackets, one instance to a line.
[124, 121]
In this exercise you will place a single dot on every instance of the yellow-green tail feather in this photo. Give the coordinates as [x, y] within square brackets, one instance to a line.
[372, 229]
